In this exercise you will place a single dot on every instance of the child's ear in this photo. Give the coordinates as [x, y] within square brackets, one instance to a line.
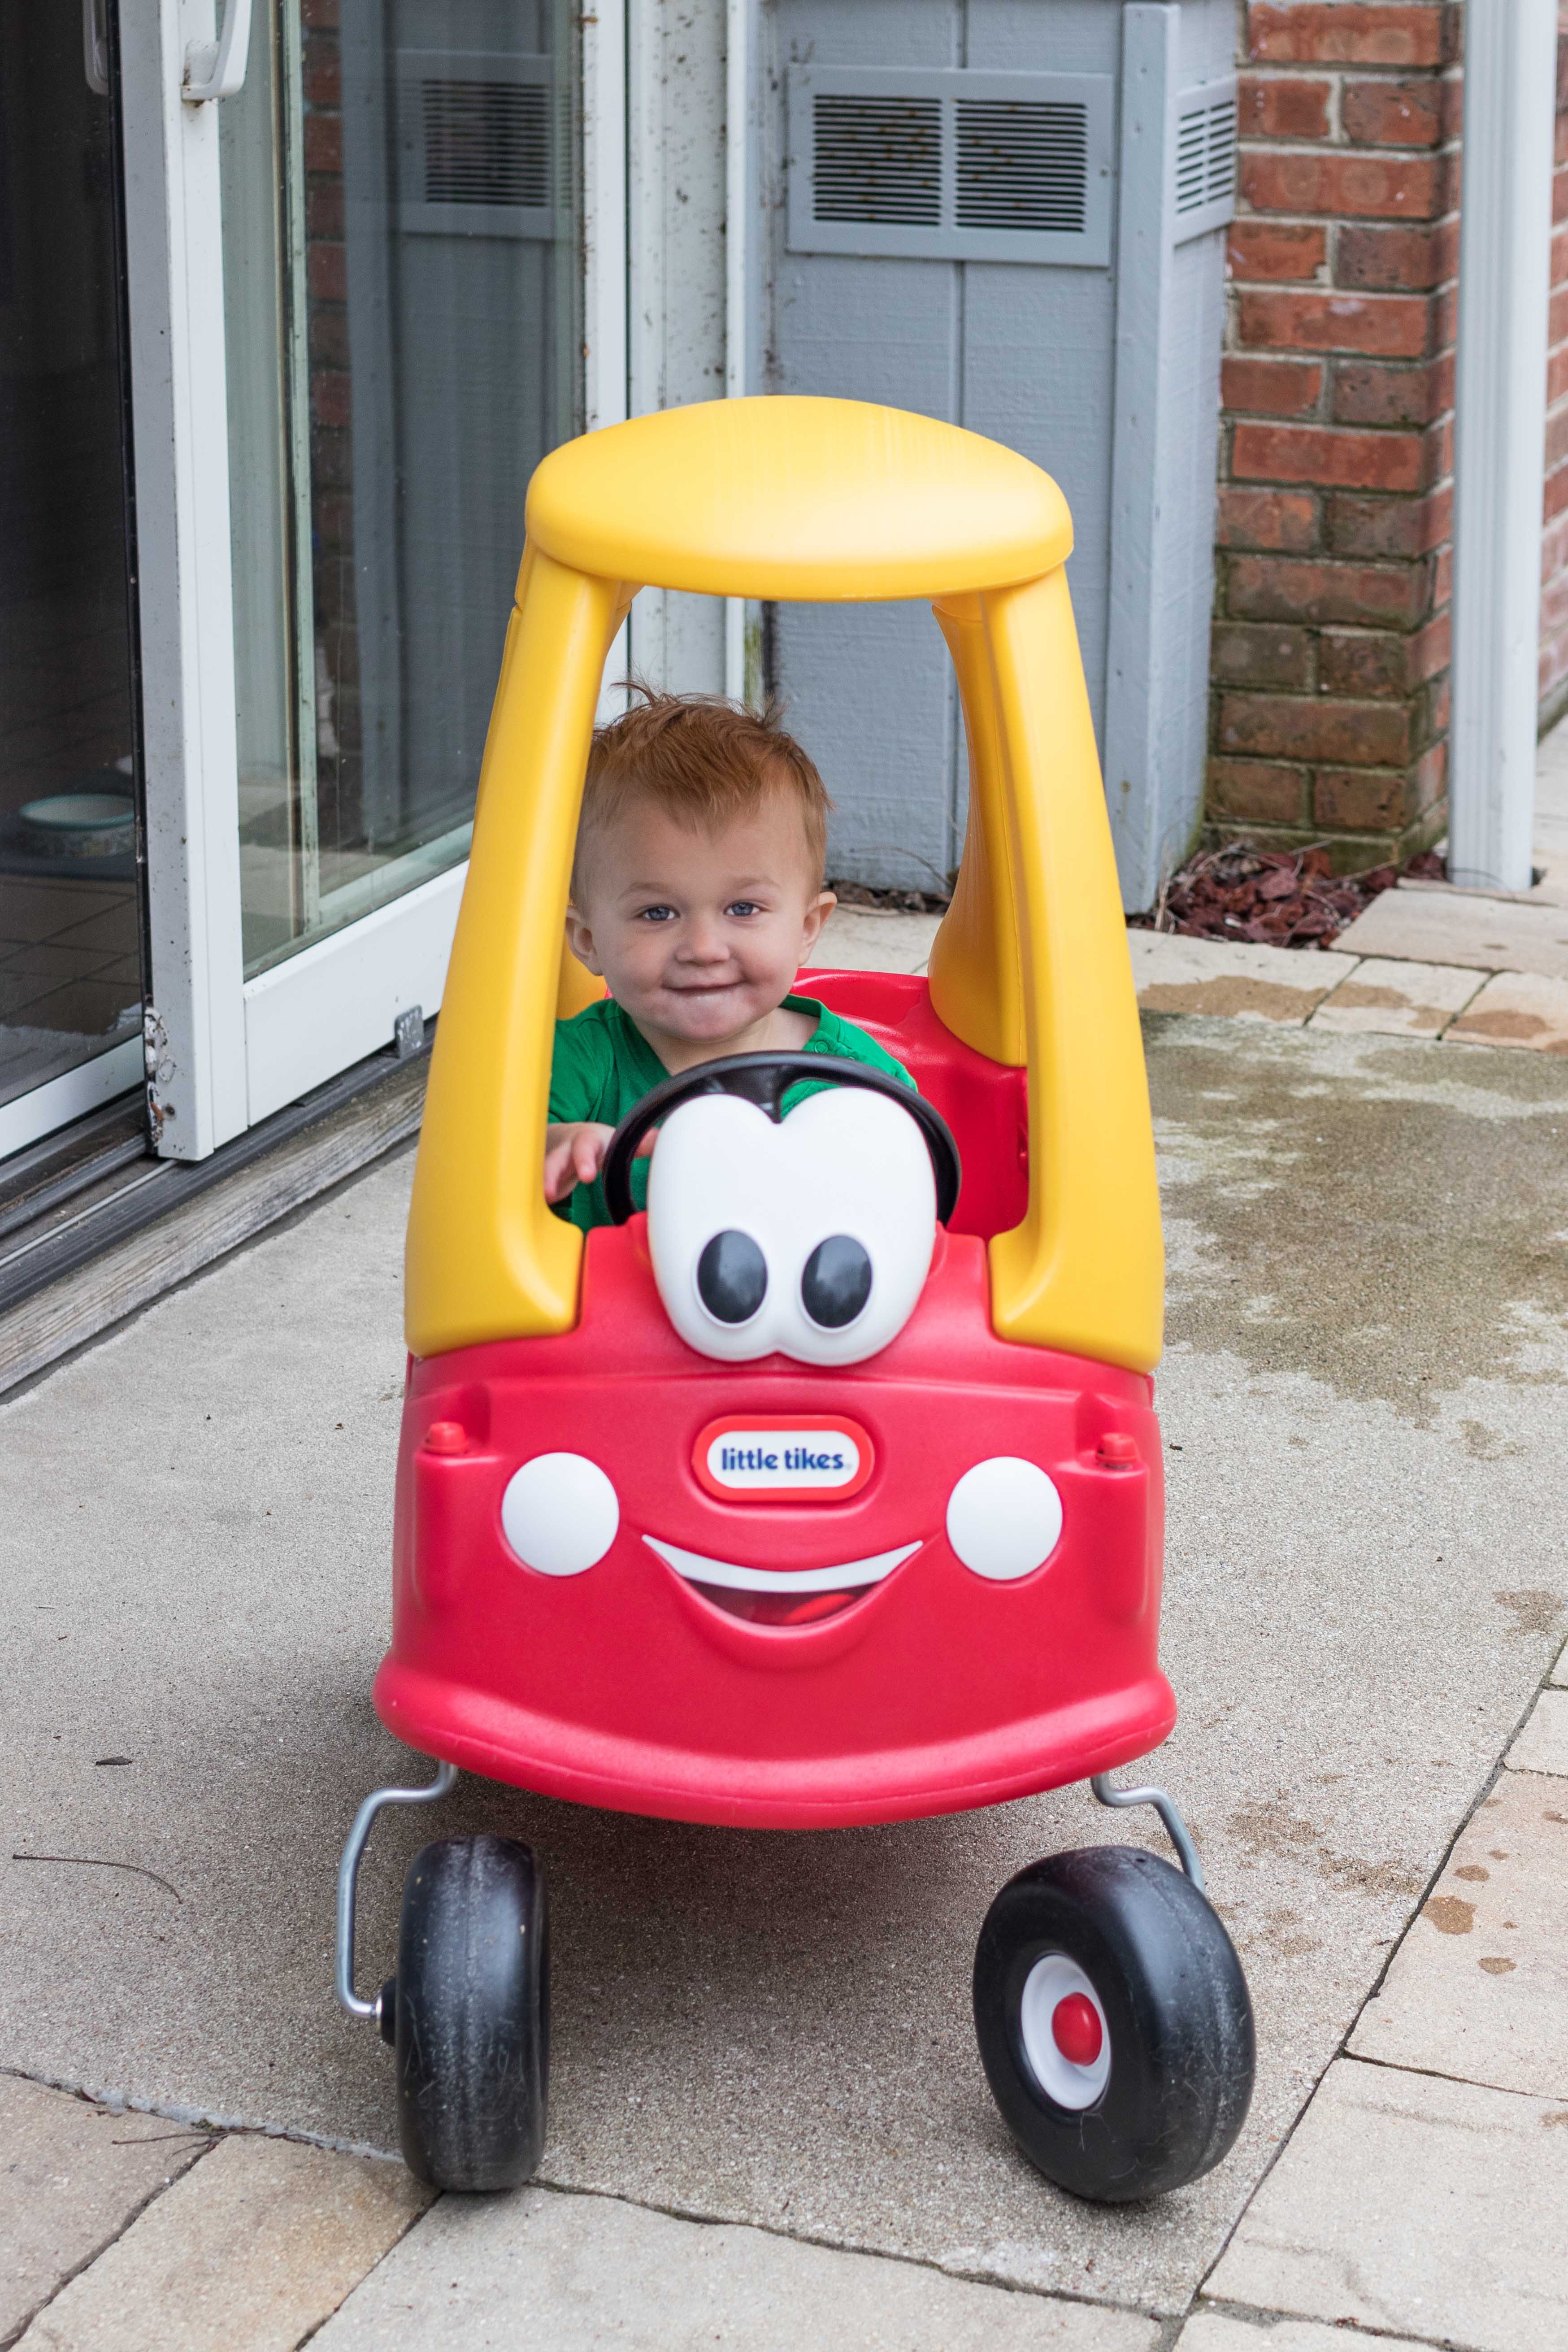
[817, 910]
[580, 939]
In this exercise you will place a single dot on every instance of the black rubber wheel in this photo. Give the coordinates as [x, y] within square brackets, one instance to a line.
[470, 2014]
[1114, 2023]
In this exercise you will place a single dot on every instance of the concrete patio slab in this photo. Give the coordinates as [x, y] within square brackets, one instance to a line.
[1461, 927]
[1215, 2331]
[1427, 2208]
[575, 2272]
[874, 939]
[1542, 1742]
[1479, 1988]
[1361, 1404]
[249, 2252]
[1383, 997]
[1232, 977]
[1516, 1009]
[1559, 1672]
[71, 2178]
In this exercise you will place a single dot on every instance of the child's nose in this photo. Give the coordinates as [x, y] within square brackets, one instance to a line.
[705, 942]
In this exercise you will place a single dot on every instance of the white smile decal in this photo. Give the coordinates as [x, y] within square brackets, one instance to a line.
[850, 1573]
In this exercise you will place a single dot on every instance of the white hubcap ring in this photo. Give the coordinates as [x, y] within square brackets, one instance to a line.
[1053, 1979]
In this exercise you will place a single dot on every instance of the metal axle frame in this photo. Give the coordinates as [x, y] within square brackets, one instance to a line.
[1165, 1806]
[446, 1780]
[444, 1783]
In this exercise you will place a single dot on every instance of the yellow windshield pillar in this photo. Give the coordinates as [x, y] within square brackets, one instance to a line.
[975, 973]
[1085, 1271]
[486, 1258]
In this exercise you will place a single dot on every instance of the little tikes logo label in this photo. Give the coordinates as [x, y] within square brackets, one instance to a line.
[786, 1458]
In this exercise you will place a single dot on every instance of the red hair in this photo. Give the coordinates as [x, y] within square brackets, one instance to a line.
[704, 759]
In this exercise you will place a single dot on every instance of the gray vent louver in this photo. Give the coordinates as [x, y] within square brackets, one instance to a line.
[1204, 195]
[1022, 166]
[477, 142]
[486, 143]
[879, 160]
[952, 166]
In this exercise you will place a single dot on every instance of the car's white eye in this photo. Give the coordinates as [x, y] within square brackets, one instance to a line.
[811, 1237]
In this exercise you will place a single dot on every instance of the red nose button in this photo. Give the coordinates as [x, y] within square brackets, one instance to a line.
[1075, 2023]
[1118, 1450]
[445, 1437]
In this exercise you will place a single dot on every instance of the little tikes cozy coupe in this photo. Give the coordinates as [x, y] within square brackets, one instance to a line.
[828, 1491]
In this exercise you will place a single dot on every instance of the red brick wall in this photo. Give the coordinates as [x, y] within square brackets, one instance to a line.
[1554, 541]
[338, 740]
[1331, 640]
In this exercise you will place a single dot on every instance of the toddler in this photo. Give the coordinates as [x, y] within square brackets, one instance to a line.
[696, 894]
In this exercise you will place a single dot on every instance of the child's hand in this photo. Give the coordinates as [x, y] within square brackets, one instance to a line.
[575, 1153]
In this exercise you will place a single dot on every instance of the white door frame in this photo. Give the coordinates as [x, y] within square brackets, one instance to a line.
[195, 1018]
[223, 1053]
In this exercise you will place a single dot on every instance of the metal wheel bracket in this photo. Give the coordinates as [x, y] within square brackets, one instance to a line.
[446, 1780]
[1165, 1806]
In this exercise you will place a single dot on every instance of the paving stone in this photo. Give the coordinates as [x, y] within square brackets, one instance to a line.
[1427, 2208]
[1560, 1671]
[1478, 1987]
[1387, 998]
[875, 939]
[1176, 974]
[1542, 1742]
[71, 2176]
[574, 2271]
[1461, 927]
[1516, 1009]
[1215, 2331]
[248, 2254]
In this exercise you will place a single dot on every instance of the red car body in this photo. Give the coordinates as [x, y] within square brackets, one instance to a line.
[635, 1686]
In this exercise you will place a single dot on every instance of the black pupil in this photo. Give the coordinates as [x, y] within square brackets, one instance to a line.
[837, 1282]
[731, 1277]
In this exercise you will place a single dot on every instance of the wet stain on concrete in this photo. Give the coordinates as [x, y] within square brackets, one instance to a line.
[1426, 1238]
[1273, 1829]
[1512, 1029]
[1450, 1914]
[1232, 995]
[1534, 1612]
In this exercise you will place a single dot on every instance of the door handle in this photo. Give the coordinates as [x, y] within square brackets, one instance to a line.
[217, 68]
[95, 46]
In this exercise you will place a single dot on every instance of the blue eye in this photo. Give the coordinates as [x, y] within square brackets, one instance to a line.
[743, 907]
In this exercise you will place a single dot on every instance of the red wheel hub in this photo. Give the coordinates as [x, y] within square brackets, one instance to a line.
[1076, 2029]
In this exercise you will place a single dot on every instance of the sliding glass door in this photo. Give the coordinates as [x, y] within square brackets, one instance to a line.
[403, 320]
[70, 942]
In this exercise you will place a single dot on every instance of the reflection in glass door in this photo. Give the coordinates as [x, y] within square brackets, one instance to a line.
[403, 322]
[70, 965]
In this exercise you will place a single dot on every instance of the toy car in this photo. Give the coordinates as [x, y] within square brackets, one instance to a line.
[881, 1539]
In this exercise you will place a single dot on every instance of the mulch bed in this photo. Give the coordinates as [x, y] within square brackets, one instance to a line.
[1266, 895]
[1271, 897]
[894, 902]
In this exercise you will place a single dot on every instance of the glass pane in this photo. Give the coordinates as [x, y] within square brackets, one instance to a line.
[402, 305]
[70, 969]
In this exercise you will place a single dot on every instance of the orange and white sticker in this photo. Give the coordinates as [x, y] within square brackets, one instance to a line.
[783, 1458]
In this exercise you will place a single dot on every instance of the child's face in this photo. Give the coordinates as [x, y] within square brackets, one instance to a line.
[698, 935]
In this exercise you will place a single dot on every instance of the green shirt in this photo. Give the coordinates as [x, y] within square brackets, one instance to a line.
[603, 1066]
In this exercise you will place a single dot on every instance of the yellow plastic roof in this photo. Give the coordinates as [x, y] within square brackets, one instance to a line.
[784, 496]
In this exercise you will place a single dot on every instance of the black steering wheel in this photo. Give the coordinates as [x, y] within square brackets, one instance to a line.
[765, 1079]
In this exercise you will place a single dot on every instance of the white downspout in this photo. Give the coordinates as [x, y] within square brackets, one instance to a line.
[1505, 229]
